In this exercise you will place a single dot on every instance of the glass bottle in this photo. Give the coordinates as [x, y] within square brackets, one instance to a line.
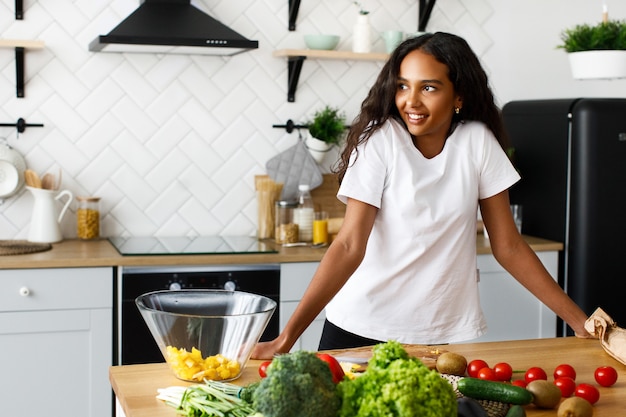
[88, 217]
[305, 213]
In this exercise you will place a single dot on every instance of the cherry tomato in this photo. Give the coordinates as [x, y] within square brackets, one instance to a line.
[588, 392]
[503, 371]
[605, 376]
[519, 383]
[487, 374]
[566, 384]
[474, 366]
[535, 373]
[565, 370]
[334, 365]
[263, 368]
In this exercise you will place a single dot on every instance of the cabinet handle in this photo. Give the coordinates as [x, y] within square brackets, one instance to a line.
[24, 292]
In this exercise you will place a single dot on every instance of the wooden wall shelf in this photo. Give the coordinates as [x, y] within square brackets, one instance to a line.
[295, 58]
[20, 47]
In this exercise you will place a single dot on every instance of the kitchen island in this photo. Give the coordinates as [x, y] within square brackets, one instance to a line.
[135, 386]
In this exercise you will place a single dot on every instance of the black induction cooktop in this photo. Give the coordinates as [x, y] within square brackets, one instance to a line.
[201, 245]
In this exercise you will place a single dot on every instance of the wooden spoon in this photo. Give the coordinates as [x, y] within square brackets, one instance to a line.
[47, 182]
[32, 179]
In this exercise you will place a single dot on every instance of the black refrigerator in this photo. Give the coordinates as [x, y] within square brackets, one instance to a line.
[571, 155]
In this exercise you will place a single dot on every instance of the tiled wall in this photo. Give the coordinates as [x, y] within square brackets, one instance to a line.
[171, 143]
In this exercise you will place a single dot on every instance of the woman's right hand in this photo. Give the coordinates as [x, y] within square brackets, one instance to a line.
[267, 350]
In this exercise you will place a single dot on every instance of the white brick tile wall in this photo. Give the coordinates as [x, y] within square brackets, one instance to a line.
[171, 143]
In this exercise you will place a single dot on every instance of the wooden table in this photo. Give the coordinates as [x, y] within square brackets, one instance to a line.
[135, 385]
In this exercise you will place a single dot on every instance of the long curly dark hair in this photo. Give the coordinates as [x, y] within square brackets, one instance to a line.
[465, 72]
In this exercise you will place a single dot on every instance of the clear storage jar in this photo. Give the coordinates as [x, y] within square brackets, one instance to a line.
[88, 217]
[286, 228]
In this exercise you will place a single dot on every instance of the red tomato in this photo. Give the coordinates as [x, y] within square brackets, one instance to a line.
[474, 366]
[503, 371]
[534, 373]
[605, 376]
[334, 365]
[519, 383]
[588, 392]
[565, 370]
[263, 368]
[566, 384]
[487, 374]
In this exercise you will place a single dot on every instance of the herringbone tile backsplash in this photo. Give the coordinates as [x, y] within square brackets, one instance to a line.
[171, 143]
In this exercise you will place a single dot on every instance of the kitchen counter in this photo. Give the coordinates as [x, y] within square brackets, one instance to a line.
[135, 386]
[78, 253]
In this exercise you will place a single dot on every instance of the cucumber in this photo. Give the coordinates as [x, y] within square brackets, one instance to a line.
[516, 411]
[494, 391]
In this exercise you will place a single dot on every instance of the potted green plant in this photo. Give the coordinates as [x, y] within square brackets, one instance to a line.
[326, 129]
[596, 51]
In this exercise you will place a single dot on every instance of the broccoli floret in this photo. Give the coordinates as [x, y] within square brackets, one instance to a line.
[298, 384]
[400, 387]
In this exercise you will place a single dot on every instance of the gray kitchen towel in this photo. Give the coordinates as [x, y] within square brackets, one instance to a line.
[293, 167]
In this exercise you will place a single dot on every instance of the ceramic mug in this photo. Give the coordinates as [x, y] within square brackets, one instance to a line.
[392, 39]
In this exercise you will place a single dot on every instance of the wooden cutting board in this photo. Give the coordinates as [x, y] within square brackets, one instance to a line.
[427, 354]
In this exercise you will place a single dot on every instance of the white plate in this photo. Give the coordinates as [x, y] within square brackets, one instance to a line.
[9, 178]
[12, 166]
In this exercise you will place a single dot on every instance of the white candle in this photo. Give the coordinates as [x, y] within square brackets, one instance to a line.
[605, 13]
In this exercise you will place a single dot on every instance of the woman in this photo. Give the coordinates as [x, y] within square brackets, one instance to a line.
[425, 152]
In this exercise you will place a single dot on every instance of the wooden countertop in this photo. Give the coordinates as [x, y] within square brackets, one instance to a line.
[100, 253]
[136, 385]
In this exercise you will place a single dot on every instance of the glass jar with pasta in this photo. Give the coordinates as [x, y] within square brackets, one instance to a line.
[88, 218]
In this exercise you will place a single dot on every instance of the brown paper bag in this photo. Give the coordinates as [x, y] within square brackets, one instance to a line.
[612, 338]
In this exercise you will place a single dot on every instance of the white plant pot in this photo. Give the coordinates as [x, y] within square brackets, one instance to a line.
[588, 65]
[317, 148]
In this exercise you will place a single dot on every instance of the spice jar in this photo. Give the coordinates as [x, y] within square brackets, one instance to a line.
[286, 228]
[88, 217]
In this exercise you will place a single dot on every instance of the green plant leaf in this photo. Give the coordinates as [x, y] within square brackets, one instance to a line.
[609, 35]
[328, 125]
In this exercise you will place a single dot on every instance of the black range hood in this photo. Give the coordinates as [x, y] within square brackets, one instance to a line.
[172, 26]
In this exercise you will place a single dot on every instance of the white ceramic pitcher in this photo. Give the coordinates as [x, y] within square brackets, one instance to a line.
[44, 223]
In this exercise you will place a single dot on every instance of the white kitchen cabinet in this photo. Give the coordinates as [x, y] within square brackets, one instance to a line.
[294, 280]
[56, 342]
[512, 312]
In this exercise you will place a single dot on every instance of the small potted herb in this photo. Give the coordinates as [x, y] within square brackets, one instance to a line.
[596, 51]
[326, 128]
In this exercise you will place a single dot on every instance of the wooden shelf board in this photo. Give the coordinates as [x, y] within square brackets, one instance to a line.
[320, 54]
[20, 43]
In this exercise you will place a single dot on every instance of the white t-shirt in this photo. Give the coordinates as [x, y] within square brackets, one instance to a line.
[418, 280]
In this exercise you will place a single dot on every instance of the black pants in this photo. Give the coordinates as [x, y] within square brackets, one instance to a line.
[334, 337]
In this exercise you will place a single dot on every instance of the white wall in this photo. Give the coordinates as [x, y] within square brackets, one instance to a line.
[172, 143]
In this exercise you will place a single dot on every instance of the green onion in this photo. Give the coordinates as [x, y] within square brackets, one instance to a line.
[211, 399]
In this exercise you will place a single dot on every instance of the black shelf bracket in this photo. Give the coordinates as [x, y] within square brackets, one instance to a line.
[19, 10]
[21, 125]
[19, 71]
[294, 7]
[425, 10]
[294, 67]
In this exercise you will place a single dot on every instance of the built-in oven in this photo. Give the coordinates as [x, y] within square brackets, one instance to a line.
[135, 344]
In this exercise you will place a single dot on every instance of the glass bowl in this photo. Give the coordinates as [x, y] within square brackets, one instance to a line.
[206, 334]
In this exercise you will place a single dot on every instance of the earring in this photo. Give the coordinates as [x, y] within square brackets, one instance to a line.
[457, 110]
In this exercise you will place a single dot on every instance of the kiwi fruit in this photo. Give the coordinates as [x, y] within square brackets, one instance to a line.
[451, 363]
[545, 393]
[575, 407]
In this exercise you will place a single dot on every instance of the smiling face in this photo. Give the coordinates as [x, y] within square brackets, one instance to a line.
[426, 99]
